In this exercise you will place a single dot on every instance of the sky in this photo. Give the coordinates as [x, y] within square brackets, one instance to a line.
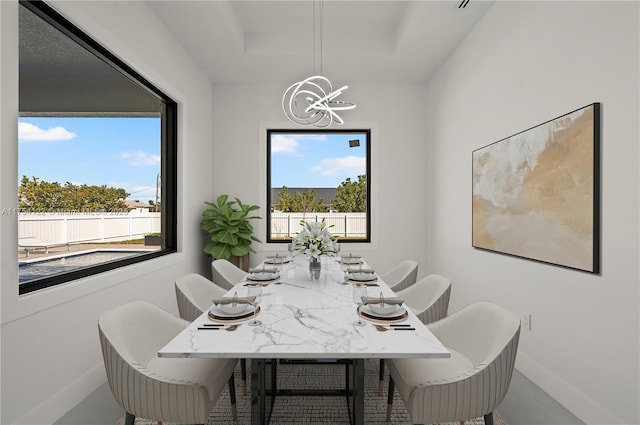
[316, 160]
[125, 153]
[118, 152]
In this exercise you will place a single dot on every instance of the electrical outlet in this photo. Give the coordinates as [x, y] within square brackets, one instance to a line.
[525, 320]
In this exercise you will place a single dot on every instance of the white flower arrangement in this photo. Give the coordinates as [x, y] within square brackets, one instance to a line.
[314, 240]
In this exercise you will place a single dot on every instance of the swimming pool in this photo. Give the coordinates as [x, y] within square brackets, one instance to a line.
[38, 269]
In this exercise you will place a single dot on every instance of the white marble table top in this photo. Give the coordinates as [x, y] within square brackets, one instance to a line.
[307, 319]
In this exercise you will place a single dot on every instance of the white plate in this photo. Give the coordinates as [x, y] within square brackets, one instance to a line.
[397, 311]
[279, 260]
[386, 309]
[351, 260]
[217, 310]
[263, 276]
[234, 310]
[362, 277]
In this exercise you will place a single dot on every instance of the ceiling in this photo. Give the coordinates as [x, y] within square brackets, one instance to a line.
[273, 41]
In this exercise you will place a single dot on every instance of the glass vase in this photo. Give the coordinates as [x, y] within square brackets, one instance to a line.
[314, 268]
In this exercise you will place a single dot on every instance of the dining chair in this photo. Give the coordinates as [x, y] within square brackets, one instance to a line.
[483, 340]
[428, 299]
[176, 390]
[194, 293]
[224, 273]
[401, 276]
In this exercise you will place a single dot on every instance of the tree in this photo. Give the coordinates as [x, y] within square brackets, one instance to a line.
[307, 201]
[285, 201]
[351, 196]
[303, 202]
[39, 195]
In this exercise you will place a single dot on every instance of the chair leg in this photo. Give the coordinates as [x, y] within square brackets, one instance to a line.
[381, 377]
[232, 398]
[392, 387]
[243, 375]
[129, 419]
[488, 418]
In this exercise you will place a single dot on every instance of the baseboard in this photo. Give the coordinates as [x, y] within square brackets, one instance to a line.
[64, 400]
[585, 408]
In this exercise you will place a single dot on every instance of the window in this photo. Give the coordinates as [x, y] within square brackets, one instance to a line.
[96, 157]
[315, 175]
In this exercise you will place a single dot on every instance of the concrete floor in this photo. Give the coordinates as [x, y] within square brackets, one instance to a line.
[525, 404]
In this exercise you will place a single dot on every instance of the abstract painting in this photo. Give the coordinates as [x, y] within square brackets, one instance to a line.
[536, 193]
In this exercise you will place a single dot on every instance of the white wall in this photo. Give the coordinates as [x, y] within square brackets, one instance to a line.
[396, 115]
[523, 64]
[51, 355]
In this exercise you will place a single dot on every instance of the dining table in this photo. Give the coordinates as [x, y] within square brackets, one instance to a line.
[297, 317]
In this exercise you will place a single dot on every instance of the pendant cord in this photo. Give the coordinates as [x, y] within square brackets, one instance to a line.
[321, 31]
[314, 35]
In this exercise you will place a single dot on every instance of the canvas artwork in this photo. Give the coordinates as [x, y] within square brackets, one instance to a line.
[536, 193]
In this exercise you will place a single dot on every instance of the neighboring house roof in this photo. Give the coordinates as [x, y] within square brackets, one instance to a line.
[327, 194]
[136, 204]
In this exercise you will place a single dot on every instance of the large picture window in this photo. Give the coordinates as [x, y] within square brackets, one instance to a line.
[315, 175]
[96, 157]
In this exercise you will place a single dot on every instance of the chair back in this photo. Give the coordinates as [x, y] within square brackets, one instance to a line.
[194, 293]
[402, 275]
[487, 335]
[428, 297]
[131, 336]
[225, 274]
[133, 330]
[480, 330]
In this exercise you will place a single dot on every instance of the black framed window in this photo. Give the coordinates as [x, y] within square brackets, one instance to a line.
[315, 175]
[97, 156]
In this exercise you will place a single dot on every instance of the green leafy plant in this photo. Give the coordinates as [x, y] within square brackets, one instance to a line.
[227, 223]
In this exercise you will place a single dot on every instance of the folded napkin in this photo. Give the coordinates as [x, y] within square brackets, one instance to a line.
[359, 270]
[237, 300]
[263, 270]
[376, 300]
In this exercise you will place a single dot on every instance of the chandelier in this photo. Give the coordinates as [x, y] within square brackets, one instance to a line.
[312, 101]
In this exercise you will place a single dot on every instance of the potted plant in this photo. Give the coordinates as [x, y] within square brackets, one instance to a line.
[153, 239]
[228, 226]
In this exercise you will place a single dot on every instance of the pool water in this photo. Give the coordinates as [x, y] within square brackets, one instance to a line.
[39, 269]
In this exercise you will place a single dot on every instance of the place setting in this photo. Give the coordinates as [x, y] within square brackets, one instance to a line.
[262, 276]
[235, 310]
[361, 276]
[380, 310]
[278, 259]
[351, 259]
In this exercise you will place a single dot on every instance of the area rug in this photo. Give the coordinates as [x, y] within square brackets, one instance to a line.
[315, 410]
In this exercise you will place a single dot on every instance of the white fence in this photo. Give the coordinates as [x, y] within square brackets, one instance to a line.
[114, 227]
[88, 227]
[284, 225]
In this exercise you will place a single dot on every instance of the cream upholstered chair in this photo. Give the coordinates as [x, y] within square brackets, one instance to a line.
[483, 341]
[224, 273]
[402, 275]
[428, 298]
[194, 293]
[161, 389]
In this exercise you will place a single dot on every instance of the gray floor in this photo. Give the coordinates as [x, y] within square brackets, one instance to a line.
[525, 404]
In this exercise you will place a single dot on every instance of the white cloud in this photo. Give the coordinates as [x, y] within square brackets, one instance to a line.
[289, 143]
[284, 144]
[348, 166]
[140, 158]
[32, 133]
